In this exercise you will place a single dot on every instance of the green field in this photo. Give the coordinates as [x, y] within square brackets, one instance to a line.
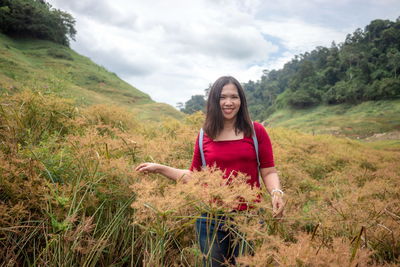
[355, 121]
[49, 68]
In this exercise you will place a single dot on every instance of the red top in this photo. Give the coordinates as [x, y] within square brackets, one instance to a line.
[234, 156]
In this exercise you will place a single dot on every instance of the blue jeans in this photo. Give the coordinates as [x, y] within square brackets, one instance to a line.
[216, 243]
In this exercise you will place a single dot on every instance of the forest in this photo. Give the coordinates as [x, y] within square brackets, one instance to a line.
[364, 67]
[36, 19]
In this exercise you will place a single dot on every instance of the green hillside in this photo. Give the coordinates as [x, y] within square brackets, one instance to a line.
[357, 121]
[364, 67]
[47, 67]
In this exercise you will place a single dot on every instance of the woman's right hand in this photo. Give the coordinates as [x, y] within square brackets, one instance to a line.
[148, 167]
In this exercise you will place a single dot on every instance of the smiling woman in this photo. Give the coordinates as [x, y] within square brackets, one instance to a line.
[233, 144]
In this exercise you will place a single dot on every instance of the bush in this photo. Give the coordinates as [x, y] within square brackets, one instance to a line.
[336, 94]
[387, 88]
[114, 116]
[28, 117]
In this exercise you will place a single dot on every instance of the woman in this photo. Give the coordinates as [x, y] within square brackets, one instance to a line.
[228, 144]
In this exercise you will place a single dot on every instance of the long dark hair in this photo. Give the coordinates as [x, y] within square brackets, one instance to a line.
[214, 122]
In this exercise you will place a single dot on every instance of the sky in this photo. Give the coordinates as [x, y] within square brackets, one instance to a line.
[174, 49]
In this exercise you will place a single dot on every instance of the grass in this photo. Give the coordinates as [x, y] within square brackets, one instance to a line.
[390, 145]
[358, 121]
[47, 67]
[69, 194]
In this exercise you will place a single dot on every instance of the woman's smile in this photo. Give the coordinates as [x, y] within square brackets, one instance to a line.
[228, 110]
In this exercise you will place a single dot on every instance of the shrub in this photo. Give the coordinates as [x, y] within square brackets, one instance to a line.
[114, 116]
[28, 117]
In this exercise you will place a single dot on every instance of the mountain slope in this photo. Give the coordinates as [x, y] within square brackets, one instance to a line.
[51, 68]
[357, 121]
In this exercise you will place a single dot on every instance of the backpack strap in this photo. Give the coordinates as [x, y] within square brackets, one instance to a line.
[203, 159]
[255, 143]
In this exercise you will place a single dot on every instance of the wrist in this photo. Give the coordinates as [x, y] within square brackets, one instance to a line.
[158, 168]
[276, 192]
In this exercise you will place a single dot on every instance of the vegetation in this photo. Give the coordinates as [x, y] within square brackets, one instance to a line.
[354, 121]
[365, 67]
[71, 136]
[194, 104]
[36, 19]
[69, 194]
[47, 67]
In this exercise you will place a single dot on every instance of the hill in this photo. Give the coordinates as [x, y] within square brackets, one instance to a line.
[349, 89]
[355, 121]
[47, 67]
[364, 67]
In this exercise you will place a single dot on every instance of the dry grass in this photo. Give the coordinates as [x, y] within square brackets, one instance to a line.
[69, 194]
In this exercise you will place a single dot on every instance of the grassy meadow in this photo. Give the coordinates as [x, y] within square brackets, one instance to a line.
[354, 121]
[69, 195]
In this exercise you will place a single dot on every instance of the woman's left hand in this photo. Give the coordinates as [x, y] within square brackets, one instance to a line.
[277, 205]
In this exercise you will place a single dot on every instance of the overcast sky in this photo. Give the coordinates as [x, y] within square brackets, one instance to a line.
[174, 49]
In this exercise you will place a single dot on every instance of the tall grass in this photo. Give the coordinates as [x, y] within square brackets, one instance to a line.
[69, 195]
[64, 183]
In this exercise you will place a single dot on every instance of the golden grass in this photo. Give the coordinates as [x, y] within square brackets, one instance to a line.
[69, 194]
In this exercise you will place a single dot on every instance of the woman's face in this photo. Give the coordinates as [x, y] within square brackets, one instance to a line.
[229, 102]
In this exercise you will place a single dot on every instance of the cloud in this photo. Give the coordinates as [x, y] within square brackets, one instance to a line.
[174, 49]
[222, 41]
[114, 49]
[298, 36]
[101, 11]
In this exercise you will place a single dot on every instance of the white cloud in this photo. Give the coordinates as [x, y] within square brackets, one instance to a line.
[299, 37]
[174, 49]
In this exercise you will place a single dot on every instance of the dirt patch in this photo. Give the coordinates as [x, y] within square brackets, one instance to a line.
[395, 135]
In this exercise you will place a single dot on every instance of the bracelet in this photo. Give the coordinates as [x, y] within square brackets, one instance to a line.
[276, 190]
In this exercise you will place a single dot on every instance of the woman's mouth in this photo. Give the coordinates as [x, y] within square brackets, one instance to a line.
[228, 110]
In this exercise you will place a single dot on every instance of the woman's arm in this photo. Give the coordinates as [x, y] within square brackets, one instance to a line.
[169, 172]
[271, 181]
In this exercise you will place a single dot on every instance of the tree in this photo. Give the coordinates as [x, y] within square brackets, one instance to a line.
[180, 105]
[390, 88]
[207, 91]
[393, 56]
[36, 19]
[302, 99]
[374, 30]
[194, 104]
